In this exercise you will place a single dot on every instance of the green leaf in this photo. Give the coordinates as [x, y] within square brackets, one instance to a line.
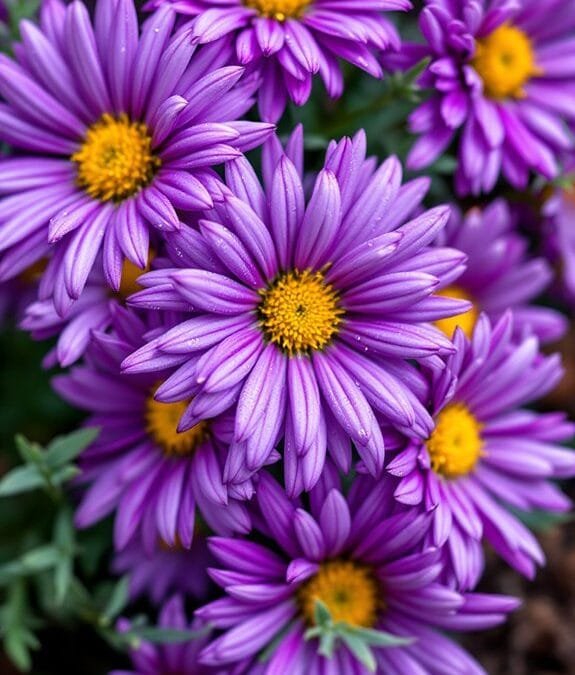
[321, 614]
[360, 650]
[64, 533]
[542, 520]
[413, 73]
[65, 474]
[16, 645]
[62, 579]
[117, 601]
[64, 449]
[18, 638]
[21, 479]
[165, 635]
[41, 558]
[327, 644]
[377, 638]
[30, 452]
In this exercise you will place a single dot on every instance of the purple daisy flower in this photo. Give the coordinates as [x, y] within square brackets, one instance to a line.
[180, 658]
[140, 467]
[305, 314]
[488, 454]
[363, 558]
[499, 275]
[93, 312]
[116, 132]
[503, 73]
[289, 41]
[165, 570]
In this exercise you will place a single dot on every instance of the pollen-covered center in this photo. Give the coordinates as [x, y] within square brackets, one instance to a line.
[300, 312]
[349, 591]
[466, 320]
[116, 159]
[455, 445]
[278, 9]
[505, 61]
[162, 425]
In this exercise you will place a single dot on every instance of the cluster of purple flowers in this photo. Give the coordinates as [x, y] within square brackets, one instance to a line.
[310, 388]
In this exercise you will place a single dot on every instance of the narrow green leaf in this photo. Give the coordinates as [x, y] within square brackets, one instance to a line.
[64, 532]
[66, 448]
[17, 650]
[378, 638]
[65, 474]
[41, 558]
[117, 601]
[20, 479]
[62, 579]
[360, 650]
[30, 452]
[165, 635]
[327, 644]
[321, 614]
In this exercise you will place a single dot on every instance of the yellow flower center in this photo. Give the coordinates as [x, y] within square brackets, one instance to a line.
[300, 312]
[349, 590]
[116, 158]
[466, 321]
[505, 61]
[162, 422]
[455, 445]
[278, 9]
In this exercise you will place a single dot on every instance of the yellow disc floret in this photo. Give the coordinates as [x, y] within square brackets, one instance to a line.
[300, 312]
[455, 445]
[280, 10]
[349, 591]
[162, 424]
[466, 321]
[505, 61]
[116, 159]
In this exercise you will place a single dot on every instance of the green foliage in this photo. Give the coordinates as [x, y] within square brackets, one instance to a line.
[357, 639]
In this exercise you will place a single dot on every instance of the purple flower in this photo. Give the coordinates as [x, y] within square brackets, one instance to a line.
[503, 74]
[165, 570]
[93, 312]
[116, 132]
[152, 477]
[178, 658]
[488, 454]
[305, 314]
[289, 41]
[499, 274]
[363, 558]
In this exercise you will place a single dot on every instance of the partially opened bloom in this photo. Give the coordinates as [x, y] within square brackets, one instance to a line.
[364, 559]
[166, 569]
[93, 312]
[140, 468]
[289, 41]
[503, 75]
[115, 132]
[499, 274]
[305, 314]
[487, 454]
[179, 658]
